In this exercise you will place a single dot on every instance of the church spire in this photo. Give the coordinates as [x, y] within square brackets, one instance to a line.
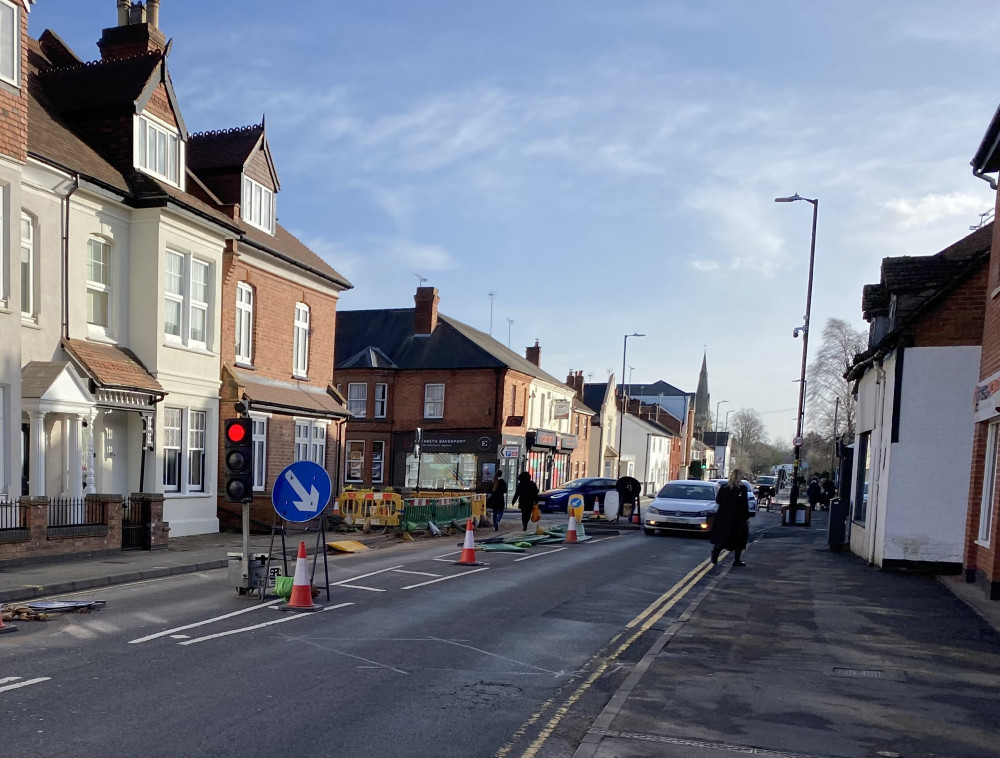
[702, 402]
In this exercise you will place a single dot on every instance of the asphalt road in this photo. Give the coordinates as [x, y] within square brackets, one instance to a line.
[412, 656]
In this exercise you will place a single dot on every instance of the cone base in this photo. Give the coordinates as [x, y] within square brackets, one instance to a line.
[7, 628]
[307, 609]
[473, 563]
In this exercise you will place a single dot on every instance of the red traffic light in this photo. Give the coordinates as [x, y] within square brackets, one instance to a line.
[236, 432]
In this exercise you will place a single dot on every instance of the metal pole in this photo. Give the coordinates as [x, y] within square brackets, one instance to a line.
[621, 418]
[793, 499]
[833, 452]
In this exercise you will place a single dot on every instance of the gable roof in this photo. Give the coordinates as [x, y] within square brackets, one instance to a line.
[370, 357]
[112, 367]
[452, 345]
[659, 387]
[594, 394]
[716, 439]
[225, 149]
[285, 245]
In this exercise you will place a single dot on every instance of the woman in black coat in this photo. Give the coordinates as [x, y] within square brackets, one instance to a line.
[497, 500]
[525, 497]
[731, 526]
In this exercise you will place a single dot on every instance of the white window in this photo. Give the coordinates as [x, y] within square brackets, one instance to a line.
[310, 441]
[3, 440]
[355, 461]
[185, 434]
[27, 265]
[186, 300]
[98, 285]
[300, 342]
[989, 483]
[378, 460]
[257, 205]
[172, 418]
[244, 323]
[381, 398]
[10, 43]
[357, 399]
[158, 149]
[196, 451]
[259, 439]
[433, 401]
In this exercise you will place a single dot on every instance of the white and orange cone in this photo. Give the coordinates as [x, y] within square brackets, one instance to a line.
[468, 557]
[335, 512]
[301, 598]
[571, 529]
[597, 510]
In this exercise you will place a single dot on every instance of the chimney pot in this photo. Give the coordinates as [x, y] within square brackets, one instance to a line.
[153, 13]
[425, 311]
[534, 354]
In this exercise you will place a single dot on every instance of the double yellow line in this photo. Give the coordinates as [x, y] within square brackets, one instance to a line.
[632, 631]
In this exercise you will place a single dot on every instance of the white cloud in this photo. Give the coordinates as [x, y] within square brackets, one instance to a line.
[917, 212]
[706, 266]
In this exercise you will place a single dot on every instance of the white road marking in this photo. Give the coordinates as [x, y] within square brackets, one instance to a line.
[365, 576]
[291, 617]
[360, 587]
[447, 557]
[25, 683]
[165, 632]
[501, 657]
[595, 540]
[535, 555]
[374, 664]
[418, 573]
[445, 578]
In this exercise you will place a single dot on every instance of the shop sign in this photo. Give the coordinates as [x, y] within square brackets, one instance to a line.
[984, 398]
[567, 442]
[542, 438]
[560, 409]
[510, 452]
[456, 443]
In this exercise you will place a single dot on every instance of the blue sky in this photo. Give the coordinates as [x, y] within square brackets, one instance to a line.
[603, 167]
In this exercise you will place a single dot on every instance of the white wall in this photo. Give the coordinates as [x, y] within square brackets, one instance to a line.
[929, 480]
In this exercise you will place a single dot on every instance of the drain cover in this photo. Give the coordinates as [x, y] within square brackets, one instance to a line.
[892, 675]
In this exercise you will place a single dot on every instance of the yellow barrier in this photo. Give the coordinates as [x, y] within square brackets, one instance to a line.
[478, 505]
[382, 508]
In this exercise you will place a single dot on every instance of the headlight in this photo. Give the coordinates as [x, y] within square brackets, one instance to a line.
[651, 509]
[707, 513]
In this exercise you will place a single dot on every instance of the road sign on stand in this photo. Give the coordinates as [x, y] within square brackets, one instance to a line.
[797, 442]
[301, 491]
[575, 505]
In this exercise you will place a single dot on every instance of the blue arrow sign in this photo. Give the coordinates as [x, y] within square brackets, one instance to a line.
[301, 491]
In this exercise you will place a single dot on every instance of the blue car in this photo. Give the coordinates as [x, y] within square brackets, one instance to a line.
[592, 488]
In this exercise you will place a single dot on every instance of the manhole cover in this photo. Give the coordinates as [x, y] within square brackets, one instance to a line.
[892, 675]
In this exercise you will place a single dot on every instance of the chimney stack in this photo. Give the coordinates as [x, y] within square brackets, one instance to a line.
[425, 311]
[137, 31]
[534, 354]
[575, 380]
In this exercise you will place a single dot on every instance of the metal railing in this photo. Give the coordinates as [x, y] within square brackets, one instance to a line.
[13, 520]
[77, 516]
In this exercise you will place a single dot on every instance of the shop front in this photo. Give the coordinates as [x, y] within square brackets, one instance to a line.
[454, 460]
[562, 471]
[541, 454]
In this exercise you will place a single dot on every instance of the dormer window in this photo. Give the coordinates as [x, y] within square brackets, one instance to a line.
[158, 149]
[257, 205]
[10, 43]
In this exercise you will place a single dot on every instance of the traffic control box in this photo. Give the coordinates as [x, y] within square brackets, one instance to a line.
[239, 460]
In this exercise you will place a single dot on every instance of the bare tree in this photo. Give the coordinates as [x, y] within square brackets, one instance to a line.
[828, 392]
[749, 437]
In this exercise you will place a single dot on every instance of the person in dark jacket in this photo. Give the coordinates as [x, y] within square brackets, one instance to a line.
[829, 492]
[731, 526]
[497, 500]
[525, 497]
[814, 493]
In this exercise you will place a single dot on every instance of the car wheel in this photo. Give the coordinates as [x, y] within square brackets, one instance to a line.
[648, 531]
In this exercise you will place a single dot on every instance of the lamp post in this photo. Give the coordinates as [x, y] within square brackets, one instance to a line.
[726, 425]
[717, 413]
[621, 421]
[793, 498]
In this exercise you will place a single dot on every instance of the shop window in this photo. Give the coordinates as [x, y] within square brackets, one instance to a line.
[355, 462]
[989, 484]
[864, 473]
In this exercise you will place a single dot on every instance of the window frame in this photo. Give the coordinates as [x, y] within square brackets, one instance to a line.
[360, 389]
[95, 287]
[243, 348]
[381, 399]
[199, 305]
[252, 209]
[193, 434]
[28, 245]
[988, 495]
[183, 449]
[348, 461]
[15, 44]
[175, 485]
[312, 443]
[380, 461]
[173, 160]
[300, 341]
[258, 441]
[185, 300]
[429, 402]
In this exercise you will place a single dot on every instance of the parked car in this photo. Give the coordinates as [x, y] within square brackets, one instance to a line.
[683, 505]
[767, 486]
[593, 488]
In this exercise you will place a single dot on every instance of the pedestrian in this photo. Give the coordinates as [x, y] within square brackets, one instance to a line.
[525, 497]
[731, 526]
[628, 488]
[498, 499]
[814, 493]
[829, 492]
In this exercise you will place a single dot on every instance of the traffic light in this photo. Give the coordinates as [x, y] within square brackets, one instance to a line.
[239, 460]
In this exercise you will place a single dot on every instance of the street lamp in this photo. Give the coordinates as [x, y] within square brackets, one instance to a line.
[621, 421]
[793, 499]
[726, 425]
[717, 413]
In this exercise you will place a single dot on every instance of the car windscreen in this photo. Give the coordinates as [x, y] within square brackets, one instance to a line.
[765, 480]
[681, 491]
[576, 483]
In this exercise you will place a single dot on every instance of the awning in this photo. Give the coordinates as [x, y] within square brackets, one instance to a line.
[288, 397]
[610, 452]
[112, 367]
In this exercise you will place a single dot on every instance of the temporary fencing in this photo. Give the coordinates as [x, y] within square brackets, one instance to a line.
[380, 508]
[440, 508]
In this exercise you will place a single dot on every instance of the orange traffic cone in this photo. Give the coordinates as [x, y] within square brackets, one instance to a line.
[468, 557]
[597, 510]
[301, 599]
[335, 513]
[9, 627]
[635, 513]
[571, 529]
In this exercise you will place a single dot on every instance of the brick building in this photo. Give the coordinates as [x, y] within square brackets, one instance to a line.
[276, 294]
[478, 406]
[913, 444]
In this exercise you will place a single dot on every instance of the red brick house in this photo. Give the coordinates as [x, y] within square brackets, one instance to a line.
[478, 406]
[277, 294]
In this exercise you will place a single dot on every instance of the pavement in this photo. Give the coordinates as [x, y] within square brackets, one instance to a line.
[803, 653]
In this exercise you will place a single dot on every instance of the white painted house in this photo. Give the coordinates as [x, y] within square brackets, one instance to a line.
[914, 418]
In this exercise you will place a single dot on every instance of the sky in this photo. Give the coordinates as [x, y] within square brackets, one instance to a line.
[603, 168]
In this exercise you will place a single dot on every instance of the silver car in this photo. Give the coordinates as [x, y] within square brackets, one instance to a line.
[684, 505]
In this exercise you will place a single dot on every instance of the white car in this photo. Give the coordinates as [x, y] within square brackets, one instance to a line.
[683, 505]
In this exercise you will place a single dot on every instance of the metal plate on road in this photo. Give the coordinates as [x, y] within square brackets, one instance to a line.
[301, 491]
